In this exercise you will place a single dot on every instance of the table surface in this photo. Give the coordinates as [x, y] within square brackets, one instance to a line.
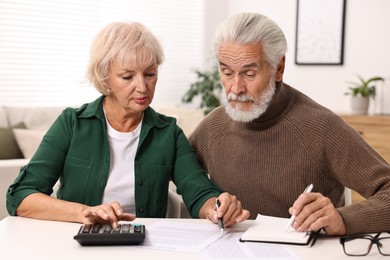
[24, 238]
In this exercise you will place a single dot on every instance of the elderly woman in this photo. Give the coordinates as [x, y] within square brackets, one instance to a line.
[114, 157]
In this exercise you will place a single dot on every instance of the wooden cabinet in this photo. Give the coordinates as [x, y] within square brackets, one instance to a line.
[376, 131]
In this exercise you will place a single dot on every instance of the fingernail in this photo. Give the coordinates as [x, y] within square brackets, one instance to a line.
[295, 225]
[119, 212]
[220, 215]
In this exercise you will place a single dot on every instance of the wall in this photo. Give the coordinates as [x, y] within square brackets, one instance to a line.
[366, 50]
[44, 47]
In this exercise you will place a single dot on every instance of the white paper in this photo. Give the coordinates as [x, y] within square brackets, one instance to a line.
[229, 247]
[179, 236]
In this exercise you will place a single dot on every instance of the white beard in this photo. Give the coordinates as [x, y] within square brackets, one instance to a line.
[259, 107]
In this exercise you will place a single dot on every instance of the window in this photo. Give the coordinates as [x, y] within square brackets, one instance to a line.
[44, 47]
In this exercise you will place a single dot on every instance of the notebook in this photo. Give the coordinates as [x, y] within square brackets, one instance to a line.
[267, 229]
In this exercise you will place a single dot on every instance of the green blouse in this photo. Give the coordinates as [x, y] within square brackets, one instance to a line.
[76, 151]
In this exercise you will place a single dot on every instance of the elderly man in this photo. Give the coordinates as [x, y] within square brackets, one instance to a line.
[270, 141]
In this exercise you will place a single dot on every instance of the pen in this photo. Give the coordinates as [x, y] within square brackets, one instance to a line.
[291, 220]
[217, 204]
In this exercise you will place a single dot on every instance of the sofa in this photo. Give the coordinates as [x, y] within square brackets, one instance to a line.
[22, 129]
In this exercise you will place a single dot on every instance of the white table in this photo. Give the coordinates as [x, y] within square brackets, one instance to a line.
[23, 238]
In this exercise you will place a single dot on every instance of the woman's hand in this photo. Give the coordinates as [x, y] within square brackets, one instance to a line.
[230, 210]
[106, 213]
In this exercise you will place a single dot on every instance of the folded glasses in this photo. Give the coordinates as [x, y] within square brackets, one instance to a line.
[360, 245]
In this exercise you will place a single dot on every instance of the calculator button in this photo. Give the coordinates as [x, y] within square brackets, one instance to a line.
[87, 228]
[116, 230]
[126, 228]
[137, 228]
[107, 229]
[96, 229]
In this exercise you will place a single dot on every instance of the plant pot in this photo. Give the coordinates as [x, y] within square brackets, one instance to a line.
[360, 105]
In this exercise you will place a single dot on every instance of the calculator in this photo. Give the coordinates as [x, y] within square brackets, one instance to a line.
[105, 235]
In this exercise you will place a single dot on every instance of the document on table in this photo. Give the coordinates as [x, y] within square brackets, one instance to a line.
[181, 236]
[207, 240]
[229, 247]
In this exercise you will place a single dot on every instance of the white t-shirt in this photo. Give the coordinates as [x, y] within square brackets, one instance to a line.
[120, 184]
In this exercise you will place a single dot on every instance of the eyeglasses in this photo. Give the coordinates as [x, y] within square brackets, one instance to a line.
[360, 245]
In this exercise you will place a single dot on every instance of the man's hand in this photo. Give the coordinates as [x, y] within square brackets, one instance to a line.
[314, 211]
[106, 213]
[230, 210]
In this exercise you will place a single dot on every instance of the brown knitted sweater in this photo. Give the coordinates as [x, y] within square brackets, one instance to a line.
[269, 162]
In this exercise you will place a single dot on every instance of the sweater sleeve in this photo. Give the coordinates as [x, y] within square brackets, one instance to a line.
[359, 167]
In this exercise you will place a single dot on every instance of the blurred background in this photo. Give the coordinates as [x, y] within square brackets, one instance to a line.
[44, 47]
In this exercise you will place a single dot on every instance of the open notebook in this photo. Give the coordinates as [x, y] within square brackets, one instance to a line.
[268, 229]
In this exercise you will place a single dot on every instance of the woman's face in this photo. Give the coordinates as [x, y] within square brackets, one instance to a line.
[132, 87]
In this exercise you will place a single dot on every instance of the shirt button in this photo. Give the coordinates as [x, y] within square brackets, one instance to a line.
[141, 210]
[140, 183]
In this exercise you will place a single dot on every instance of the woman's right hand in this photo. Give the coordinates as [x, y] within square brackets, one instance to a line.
[105, 213]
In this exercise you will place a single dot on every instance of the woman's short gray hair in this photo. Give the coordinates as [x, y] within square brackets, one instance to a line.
[249, 28]
[126, 43]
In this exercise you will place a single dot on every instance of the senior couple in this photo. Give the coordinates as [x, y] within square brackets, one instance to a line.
[114, 157]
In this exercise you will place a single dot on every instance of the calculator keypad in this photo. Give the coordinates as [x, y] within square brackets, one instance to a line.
[123, 234]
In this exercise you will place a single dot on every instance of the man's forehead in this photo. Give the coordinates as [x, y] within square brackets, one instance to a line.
[244, 55]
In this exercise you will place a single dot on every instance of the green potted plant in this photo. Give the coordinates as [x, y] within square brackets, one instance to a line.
[360, 92]
[208, 87]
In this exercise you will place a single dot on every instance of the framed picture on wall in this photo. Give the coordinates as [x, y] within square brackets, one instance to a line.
[320, 32]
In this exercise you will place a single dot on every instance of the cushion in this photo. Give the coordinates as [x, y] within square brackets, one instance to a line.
[187, 118]
[9, 148]
[33, 117]
[28, 140]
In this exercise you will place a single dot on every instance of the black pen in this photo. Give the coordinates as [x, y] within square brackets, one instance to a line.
[217, 205]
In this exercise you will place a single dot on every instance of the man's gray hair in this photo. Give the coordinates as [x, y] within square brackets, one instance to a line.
[249, 28]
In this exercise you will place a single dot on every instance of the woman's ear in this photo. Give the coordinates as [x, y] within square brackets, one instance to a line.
[280, 69]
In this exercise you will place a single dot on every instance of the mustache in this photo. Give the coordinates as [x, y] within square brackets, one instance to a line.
[240, 97]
